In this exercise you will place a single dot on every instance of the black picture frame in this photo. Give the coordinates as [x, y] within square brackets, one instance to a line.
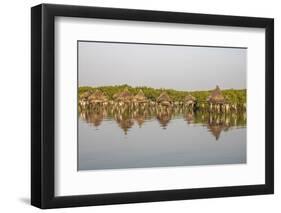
[43, 102]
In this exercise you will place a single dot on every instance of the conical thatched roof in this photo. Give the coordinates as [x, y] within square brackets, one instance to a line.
[85, 94]
[97, 96]
[125, 95]
[216, 96]
[189, 97]
[140, 97]
[164, 97]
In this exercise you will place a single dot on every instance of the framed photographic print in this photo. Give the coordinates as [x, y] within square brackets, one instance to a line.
[139, 106]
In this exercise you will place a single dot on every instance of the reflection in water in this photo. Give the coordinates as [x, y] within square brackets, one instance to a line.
[144, 136]
[138, 131]
[128, 115]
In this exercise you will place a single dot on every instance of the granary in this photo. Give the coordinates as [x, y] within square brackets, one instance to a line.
[125, 96]
[164, 99]
[189, 101]
[97, 98]
[140, 98]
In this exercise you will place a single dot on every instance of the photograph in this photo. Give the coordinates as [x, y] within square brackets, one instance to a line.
[146, 105]
[136, 105]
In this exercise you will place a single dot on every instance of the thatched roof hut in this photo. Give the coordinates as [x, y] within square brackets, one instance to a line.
[97, 97]
[164, 98]
[124, 96]
[189, 99]
[216, 96]
[86, 94]
[140, 97]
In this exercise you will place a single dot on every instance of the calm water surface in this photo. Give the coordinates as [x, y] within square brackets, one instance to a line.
[161, 138]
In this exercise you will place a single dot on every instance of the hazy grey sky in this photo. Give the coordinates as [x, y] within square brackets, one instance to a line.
[161, 66]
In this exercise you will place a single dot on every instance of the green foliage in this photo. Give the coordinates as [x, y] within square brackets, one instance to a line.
[231, 95]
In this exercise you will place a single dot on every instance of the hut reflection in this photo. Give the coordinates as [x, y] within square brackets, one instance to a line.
[125, 124]
[140, 116]
[141, 111]
[216, 124]
[164, 117]
[189, 117]
[94, 117]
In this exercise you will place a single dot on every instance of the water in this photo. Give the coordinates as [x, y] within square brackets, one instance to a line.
[110, 139]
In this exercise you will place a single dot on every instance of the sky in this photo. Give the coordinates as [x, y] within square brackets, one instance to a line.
[182, 67]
